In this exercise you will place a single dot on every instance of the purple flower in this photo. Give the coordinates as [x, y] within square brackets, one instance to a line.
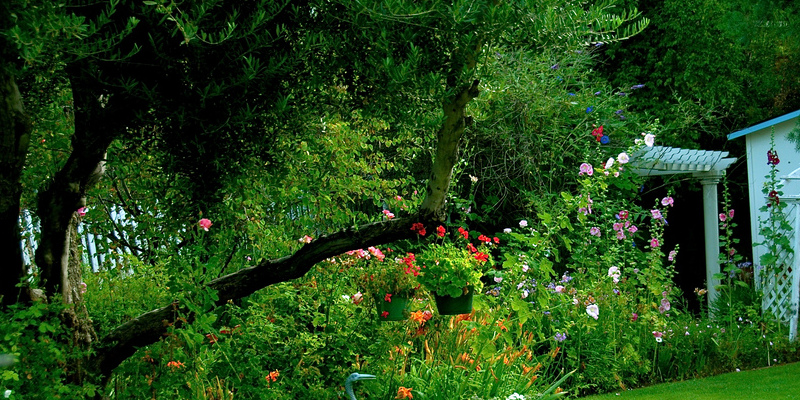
[639, 86]
[622, 94]
[561, 336]
[554, 67]
[618, 112]
[597, 93]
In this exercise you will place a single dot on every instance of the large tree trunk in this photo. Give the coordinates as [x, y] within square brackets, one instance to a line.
[96, 126]
[15, 129]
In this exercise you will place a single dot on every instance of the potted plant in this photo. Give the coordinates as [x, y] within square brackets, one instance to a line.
[452, 269]
[391, 282]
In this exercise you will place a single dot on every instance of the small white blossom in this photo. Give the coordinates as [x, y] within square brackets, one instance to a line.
[523, 223]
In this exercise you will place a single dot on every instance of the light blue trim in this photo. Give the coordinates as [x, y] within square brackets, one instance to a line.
[765, 124]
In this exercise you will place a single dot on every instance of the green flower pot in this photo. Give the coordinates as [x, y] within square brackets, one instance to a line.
[394, 308]
[448, 305]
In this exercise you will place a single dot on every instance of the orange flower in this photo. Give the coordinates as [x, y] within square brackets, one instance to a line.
[273, 376]
[175, 364]
[404, 393]
[418, 317]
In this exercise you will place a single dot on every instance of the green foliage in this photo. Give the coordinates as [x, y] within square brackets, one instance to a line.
[44, 362]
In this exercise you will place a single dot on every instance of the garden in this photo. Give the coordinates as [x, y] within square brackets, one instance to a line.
[366, 200]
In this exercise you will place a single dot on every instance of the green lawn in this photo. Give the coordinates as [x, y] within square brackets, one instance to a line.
[779, 382]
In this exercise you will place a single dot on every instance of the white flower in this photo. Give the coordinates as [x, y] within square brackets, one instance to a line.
[515, 396]
[593, 310]
[609, 163]
[649, 139]
[473, 178]
[507, 230]
[623, 158]
[523, 223]
[614, 273]
[7, 394]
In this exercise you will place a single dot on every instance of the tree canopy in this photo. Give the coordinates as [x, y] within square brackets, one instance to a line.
[272, 119]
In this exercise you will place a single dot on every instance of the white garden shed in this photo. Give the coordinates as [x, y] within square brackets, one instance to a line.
[781, 289]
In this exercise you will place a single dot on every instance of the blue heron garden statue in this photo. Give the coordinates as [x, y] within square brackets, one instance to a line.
[355, 376]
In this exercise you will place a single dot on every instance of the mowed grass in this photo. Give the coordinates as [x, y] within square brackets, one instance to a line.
[778, 382]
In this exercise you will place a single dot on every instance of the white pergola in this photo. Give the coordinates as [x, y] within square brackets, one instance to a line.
[707, 166]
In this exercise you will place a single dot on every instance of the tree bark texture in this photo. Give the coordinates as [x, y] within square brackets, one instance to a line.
[96, 126]
[15, 130]
[448, 138]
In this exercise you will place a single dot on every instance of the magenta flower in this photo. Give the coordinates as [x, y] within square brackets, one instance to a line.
[82, 211]
[667, 201]
[730, 213]
[623, 214]
[672, 255]
[205, 223]
[722, 217]
[594, 231]
[634, 317]
[633, 229]
[654, 243]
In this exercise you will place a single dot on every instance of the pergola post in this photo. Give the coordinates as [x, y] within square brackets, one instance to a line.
[711, 228]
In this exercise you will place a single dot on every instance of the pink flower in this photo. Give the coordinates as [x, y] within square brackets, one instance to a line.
[83, 287]
[304, 239]
[656, 214]
[633, 229]
[623, 214]
[205, 223]
[654, 243]
[667, 201]
[722, 217]
[594, 231]
[388, 214]
[672, 255]
[730, 213]
[358, 298]
[634, 317]
[620, 235]
[377, 253]
[586, 169]
[82, 212]
[618, 226]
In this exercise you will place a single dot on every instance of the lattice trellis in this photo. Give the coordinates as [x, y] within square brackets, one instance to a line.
[779, 283]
